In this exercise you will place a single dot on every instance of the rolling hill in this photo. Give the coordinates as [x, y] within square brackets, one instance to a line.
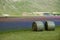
[16, 7]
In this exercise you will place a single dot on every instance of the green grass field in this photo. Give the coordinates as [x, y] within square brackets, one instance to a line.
[16, 8]
[31, 35]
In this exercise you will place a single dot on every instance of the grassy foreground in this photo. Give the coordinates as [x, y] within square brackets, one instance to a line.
[30, 35]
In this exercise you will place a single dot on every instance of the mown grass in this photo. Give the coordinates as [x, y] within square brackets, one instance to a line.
[31, 35]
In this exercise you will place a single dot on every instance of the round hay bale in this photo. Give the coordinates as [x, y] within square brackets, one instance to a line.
[49, 25]
[38, 26]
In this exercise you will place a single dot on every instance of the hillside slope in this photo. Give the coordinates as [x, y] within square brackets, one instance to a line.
[19, 6]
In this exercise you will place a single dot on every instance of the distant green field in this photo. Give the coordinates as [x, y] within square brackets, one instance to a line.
[16, 8]
[31, 35]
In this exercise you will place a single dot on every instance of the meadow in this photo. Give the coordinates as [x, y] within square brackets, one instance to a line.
[31, 35]
[17, 8]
